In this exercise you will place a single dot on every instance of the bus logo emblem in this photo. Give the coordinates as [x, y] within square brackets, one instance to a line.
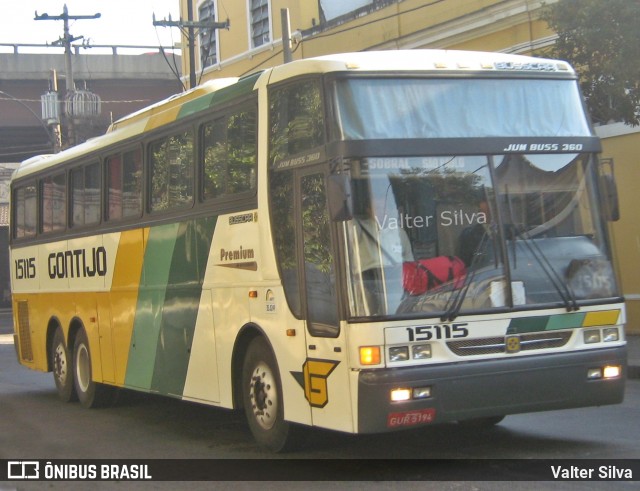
[313, 379]
[512, 344]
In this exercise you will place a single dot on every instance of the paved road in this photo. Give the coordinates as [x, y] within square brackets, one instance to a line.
[36, 425]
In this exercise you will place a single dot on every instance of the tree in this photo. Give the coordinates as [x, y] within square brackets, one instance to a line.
[601, 39]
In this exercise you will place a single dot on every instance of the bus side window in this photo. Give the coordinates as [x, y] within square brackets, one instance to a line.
[229, 160]
[171, 172]
[295, 119]
[124, 177]
[25, 216]
[53, 197]
[85, 195]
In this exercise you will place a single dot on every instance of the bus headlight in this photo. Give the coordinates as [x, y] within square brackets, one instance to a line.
[611, 371]
[592, 336]
[399, 353]
[399, 395]
[610, 334]
[605, 372]
[421, 351]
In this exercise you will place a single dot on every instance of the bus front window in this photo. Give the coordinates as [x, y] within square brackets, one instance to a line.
[416, 229]
[433, 234]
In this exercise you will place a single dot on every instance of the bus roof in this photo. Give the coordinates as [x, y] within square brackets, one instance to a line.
[219, 90]
[427, 60]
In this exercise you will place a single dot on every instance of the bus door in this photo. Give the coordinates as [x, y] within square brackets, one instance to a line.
[325, 370]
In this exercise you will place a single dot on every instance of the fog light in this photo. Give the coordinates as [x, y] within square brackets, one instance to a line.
[610, 334]
[399, 395]
[612, 371]
[421, 392]
[421, 351]
[592, 336]
[594, 373]
[399, 353]
[370, 355]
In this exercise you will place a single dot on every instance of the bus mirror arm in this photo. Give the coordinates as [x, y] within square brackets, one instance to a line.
[610, 191]
[339, 195]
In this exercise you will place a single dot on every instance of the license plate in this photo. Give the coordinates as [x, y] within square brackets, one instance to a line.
[411, 418]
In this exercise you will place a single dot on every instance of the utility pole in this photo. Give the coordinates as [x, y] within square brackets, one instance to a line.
[286, 35]
[66, 41]
[188, 28]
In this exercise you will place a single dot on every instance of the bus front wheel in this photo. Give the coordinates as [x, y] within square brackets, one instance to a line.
[62, 367]
[91, 394]
[262, 398]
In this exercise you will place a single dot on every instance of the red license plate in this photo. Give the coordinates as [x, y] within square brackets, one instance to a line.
[410, 418]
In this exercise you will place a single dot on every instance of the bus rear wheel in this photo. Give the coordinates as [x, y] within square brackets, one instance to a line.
[62, 367]
[262, 398]
[90, 394]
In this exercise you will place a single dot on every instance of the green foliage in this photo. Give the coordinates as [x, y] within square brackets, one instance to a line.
[601, 39]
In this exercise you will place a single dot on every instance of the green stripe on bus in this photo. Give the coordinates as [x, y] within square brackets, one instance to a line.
[181, 305]
[565, 321]
[244, 86]
[149, 310]
[527, 324]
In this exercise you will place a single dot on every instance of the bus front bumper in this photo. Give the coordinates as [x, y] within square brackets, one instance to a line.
[479, 389]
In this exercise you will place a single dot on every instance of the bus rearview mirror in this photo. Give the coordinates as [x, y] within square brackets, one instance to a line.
[339, 194]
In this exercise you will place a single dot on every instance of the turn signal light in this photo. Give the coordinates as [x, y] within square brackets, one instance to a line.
[369, 355]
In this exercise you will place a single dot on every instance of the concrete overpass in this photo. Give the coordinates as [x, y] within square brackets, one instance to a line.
[124, 82]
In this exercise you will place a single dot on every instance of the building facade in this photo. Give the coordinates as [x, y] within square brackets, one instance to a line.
[253, 41]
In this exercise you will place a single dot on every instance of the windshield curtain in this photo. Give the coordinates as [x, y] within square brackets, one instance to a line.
[425, 236]
[379, 108]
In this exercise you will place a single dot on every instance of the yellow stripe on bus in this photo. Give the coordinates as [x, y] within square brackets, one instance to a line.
[604, 318]
[124, 295]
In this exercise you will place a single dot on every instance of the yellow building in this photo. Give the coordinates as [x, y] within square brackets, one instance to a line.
[253, 41]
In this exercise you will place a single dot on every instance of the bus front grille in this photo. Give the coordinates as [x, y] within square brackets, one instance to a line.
[495, 345]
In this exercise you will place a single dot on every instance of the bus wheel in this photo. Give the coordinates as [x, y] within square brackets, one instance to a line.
[62, 368]
[262, 397]
[91, 394]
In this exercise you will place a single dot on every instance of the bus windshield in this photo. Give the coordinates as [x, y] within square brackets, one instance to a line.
[391, 108]
[445, 235]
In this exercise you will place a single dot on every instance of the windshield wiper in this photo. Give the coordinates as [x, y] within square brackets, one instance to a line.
[554, 277]
[563, 289]
[451, 312]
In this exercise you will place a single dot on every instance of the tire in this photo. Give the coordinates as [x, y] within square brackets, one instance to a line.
[62, 367]
[262, 398]
[90, 394]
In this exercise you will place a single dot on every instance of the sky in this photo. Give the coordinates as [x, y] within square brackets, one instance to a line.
[122, 22]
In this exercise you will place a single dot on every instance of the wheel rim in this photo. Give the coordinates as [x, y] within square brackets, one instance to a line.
[83, 368]
[263, 394]
[60, 364]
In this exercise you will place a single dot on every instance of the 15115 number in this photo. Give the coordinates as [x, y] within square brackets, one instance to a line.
[438, 331]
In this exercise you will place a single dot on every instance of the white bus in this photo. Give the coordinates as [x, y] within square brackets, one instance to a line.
[362, 242]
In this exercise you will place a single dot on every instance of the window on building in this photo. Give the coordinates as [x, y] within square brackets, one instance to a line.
[260, 33]
[207, 37]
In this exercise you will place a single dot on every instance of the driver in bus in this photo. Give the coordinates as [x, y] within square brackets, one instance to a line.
[382, 250]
